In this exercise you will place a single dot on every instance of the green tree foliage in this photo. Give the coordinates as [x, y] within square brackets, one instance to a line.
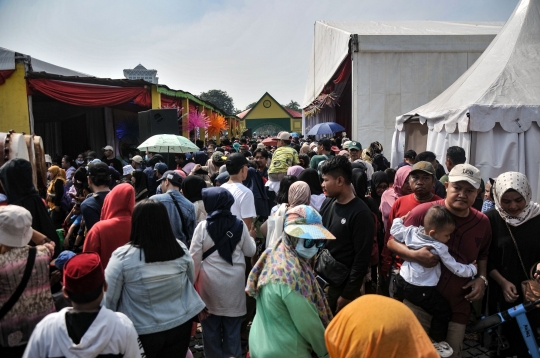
[251, 105]
[220, 99]
[294, 106]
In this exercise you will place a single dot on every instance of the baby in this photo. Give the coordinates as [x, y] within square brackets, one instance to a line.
[418, 284]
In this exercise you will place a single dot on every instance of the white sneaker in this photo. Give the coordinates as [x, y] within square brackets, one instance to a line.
[443, 349]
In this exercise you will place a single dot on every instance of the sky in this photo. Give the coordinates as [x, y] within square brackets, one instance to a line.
[243, 47]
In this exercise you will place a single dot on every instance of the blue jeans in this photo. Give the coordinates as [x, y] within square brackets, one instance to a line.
[221, 336]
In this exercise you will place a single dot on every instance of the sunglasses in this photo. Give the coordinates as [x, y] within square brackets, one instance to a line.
[308, 243]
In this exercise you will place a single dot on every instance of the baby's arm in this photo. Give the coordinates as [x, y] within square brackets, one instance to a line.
[399, 231]
[457, 269]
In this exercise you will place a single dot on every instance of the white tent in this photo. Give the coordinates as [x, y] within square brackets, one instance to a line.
[396, 66]
[490, 109]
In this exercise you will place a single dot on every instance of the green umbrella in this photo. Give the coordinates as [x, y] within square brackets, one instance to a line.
[168, 143]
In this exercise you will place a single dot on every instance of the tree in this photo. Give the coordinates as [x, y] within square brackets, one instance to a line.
[295, 106]
[219, 99]
[251, 105]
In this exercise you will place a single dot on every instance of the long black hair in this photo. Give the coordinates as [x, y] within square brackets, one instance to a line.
[151, 231]
[282, 196]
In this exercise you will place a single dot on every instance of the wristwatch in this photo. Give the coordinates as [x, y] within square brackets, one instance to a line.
[484, 278]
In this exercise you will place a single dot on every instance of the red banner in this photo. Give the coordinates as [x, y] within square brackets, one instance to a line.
[89, 95]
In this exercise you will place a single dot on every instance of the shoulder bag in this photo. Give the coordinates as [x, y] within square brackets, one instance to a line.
[530, 287]
[229, 234]
[331, 270]
[22, 285]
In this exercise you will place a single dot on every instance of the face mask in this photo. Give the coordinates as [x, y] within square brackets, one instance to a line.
[79, 162]
[306, 253]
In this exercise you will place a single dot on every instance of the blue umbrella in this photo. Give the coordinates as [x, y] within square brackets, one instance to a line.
[326, 128]
[294, 134]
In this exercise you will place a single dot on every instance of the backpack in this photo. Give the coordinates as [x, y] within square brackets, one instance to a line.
[380, 163]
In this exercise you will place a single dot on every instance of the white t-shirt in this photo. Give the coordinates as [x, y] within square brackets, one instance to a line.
[244, 203]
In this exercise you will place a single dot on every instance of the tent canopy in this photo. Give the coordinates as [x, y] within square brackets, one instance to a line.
[503, 85]
[331, 43]
[490, 109]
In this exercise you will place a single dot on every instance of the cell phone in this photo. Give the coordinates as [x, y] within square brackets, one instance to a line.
[322, 282]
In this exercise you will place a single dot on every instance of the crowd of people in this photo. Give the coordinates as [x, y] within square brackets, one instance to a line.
[285, 250]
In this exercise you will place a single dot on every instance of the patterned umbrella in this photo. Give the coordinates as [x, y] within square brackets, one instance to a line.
[168, 143]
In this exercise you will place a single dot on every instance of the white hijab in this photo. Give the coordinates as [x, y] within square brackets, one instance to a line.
[519, 183]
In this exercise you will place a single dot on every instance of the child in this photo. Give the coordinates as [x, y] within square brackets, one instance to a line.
[86, 329]
[418, 284]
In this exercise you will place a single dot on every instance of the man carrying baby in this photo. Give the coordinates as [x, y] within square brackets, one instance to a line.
[468, 242]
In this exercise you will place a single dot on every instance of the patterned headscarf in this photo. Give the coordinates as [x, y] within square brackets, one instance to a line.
[299, 194]
[295, 170]
[282, 265]
[519, 183]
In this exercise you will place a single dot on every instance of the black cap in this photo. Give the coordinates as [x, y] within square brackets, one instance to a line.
[173, 177]
[410, 154]
[98, 169]
[235, 160]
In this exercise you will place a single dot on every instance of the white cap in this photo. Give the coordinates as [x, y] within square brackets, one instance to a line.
[260, 145]
[284, 135]
[127, 169]
[137, 159]
[15, 226]
[48, 158]
[108, 147]
[465, 172]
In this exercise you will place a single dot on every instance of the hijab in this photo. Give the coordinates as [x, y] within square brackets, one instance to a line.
[221, 224]
[360, 185]
[311, 177]
[141, 186]
[59, 174]
[192, 187]
[376, 179]
[255, 183]
[299, 194]
[282, 265]
[16, 178]
[295, 170]
[363, 330]
[401, 175]
[519, 183]
[200, 158]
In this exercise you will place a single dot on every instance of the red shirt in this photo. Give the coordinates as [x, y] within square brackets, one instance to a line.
[400, 208]
[469, 241]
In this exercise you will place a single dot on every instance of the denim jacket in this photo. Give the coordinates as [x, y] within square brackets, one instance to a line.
[156, 296]
[188, 210]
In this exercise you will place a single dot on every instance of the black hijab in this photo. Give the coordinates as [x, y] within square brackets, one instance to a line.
[16, 178]
[360, 184]
[376, 179]
[221, 224]
[200, 158]
[141, 185]
[311, 177]
[192, 187]
[255, 183]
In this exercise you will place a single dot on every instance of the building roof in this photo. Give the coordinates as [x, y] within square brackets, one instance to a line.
[243, 114]
[139, 67]
[293, 113]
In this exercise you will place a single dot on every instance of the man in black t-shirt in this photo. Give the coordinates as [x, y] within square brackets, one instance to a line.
[110, 159]
[349, 219]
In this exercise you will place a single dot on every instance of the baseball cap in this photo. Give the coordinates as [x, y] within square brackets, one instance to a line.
[98, 168]
[91, 155]
[410, 154]
[15, 226]
[235, 160]
[346, 144]
[108, 147]
[465, 172]
[284, 136]
[160, 168]
[219, 158]
[83, 273]
[173, 177]
[335, 149]
[137, 159]
[425, 167]
[304, 222]
[355, 145]
[261, 146]
[61, 260]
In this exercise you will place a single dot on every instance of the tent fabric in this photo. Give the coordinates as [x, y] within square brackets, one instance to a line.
[4, 75]
[331, 43]
[490, 109]
[502, 85]
[80, 94]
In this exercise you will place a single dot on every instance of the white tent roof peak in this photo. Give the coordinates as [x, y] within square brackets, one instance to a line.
[502, 86]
